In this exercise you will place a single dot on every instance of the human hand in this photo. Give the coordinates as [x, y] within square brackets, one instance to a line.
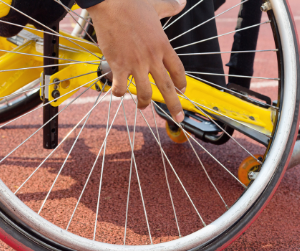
[133, 42]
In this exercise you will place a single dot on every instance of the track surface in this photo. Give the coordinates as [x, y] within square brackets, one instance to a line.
[276, 229]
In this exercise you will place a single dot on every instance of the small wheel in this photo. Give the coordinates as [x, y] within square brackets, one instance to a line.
[249, 164]
[175, 133]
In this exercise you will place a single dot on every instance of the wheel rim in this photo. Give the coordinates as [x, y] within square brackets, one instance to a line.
[242, 205]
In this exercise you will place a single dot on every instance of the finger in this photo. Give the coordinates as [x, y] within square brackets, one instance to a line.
[167, 89]
[176, 69]
[119, 83]
[144, 90]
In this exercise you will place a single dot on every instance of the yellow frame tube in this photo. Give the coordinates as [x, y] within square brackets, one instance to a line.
[254, 116]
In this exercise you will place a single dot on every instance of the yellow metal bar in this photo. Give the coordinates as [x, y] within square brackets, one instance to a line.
[216, 101]
[11, 81]
[75, 7]
[4, 9]
[213, 99]
[63, 41]
[258, 118]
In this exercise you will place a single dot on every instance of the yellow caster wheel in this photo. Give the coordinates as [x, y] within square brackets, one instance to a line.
[248, 165]
[176, 134]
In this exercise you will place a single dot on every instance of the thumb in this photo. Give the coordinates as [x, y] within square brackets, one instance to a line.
[168, 8]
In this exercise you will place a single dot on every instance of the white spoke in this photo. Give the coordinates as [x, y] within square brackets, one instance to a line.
[68, 10]
[232, 91]
[44, 124]
[48, 28]
[49, 155]
[206, 115]
[208, 20]
[70, 151]
[35, 55]
[200, 1]
[52, 65]
[54, 100]
[95, 162]
[137, 175]
[224, 52]
[201, 146]
[204, 169]
[102, 168]
[47, 32]
[166, 174]
[229, 75]
[38, 87]
[130, 170]
[170, 163]
[205, 107]
[207, 39]
[221, 114]
[167, 22]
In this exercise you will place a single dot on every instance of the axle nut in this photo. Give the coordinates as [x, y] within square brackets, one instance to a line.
[55, 94]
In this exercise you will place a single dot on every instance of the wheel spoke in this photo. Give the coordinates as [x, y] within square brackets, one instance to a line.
[167, 22]
[47, 32]
[232, 91]
[209, 117]
[201, 146]
[208, 20]
[48, 28]
[63, 140]
[224, 52]
[55, 99]
[170, 163]
[204, 169]
[47, 66]
[45, 123]
[102, 169]
[207, 39]
[136, 170]
[200, 1]
[230, 75]
[93, 167]
[131, 164]
[68, 10]
[166, 174]
[35, 55]
[38, 87]
[70, 151]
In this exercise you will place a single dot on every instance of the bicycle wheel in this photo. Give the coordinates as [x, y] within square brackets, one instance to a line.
[118, 179]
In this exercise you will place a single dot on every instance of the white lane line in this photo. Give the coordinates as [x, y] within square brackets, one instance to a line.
[91, 99]
[234, 20]
[264, 84]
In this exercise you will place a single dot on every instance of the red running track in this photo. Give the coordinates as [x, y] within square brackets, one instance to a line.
[277, 228]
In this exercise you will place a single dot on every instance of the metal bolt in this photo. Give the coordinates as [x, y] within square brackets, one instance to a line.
[216, 108]
[266, 6]
[252, 175]
[252, 118]
[97, 88]
[55, 94]
[56, 82]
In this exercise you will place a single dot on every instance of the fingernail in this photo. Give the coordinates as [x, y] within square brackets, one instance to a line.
[183, 90]
[179, 117]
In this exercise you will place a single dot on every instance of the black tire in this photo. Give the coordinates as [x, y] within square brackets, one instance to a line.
[20, 232]
[26, 104]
